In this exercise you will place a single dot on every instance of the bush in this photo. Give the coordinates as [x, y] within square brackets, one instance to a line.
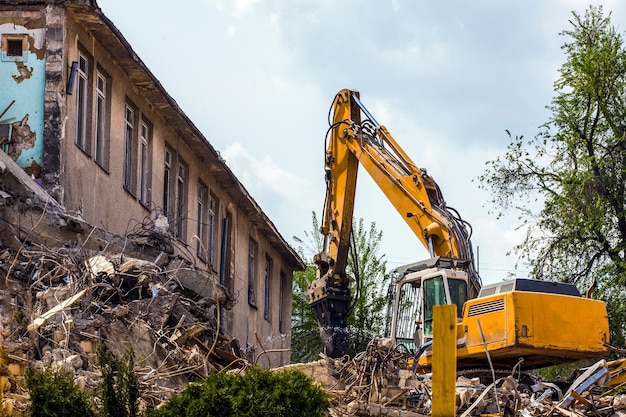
[119, 387]
[54, 394]
[256, 393]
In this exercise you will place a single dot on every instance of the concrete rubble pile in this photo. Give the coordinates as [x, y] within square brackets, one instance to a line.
[378, 383]
[66, 286]
[63, 302]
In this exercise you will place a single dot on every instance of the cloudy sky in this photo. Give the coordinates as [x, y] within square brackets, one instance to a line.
[446, 77]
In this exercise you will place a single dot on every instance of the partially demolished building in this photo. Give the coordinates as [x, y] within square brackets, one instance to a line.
[110, 194]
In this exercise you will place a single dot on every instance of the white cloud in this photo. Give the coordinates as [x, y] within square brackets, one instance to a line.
[446, 78]
[236, 8]
[285, 197]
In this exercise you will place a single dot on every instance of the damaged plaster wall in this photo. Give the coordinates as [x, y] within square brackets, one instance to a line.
[95, 191]
[22, 80]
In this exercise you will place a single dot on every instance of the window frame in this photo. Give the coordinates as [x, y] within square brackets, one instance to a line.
[201, 229]
[145, 162]
[83, 102]
[252, 263]
[102, 120]
[182, 170]
[267, 288]
[212, 230]
[129, 148]
[168, 161]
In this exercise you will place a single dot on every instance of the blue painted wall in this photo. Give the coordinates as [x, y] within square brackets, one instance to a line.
[23, 79]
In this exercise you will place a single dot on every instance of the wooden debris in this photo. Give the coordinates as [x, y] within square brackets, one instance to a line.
[36, 323]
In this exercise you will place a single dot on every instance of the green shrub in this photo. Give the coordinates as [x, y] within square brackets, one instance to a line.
[258, 392]
[54, 394]
[119, 386]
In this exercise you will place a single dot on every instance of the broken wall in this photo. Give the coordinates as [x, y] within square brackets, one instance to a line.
[91, 185]
[22, 82]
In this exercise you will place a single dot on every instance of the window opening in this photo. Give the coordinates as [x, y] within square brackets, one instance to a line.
[129, 121]
[101, 117]
[144, 164]
[225, 278]
[252, 248]
[81, 103]
[201, 229]
[15, 47]
[267, 288]
[180, 200]
[167, 178]
[212, 232]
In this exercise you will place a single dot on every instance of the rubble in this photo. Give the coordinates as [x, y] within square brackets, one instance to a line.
[66, 286]
[378, 383]
[59, 304]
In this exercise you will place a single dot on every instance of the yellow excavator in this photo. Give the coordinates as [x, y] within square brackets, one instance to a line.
[543, 322]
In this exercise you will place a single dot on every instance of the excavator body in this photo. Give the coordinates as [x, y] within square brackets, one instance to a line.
[545, 323]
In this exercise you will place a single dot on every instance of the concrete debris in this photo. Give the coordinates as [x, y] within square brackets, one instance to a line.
[378, 383]
[62, 297]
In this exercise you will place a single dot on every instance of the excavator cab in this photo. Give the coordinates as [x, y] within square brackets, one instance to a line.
[418, 288]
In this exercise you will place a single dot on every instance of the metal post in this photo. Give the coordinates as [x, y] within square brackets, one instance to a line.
[444, 361]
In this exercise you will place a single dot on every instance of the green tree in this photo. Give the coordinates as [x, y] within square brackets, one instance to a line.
[369, 288]
[305, 338]
[54, 394]
[119, 387]
[574, 170]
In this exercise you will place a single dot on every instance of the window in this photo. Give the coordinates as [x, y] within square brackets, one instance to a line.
[226, 278]
[167, 183]
[409, 309]
[201, 231]
[129, 146]
[252, 249]
[5, 136]
[212, 230]
[144, 162]
[267, 288]
[15, 47]
[281, 302]
[434, 294]
[101, 137]
[181, 201]
[82, 103]
[93, 105]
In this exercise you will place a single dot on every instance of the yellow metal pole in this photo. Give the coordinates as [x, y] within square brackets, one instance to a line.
[444, 361]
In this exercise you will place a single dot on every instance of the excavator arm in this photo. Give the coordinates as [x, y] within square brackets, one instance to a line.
[353, 141]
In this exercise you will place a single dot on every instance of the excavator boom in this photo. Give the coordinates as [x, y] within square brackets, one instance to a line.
[355, 141]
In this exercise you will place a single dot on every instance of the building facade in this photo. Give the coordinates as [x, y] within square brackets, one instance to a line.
[84, 116]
